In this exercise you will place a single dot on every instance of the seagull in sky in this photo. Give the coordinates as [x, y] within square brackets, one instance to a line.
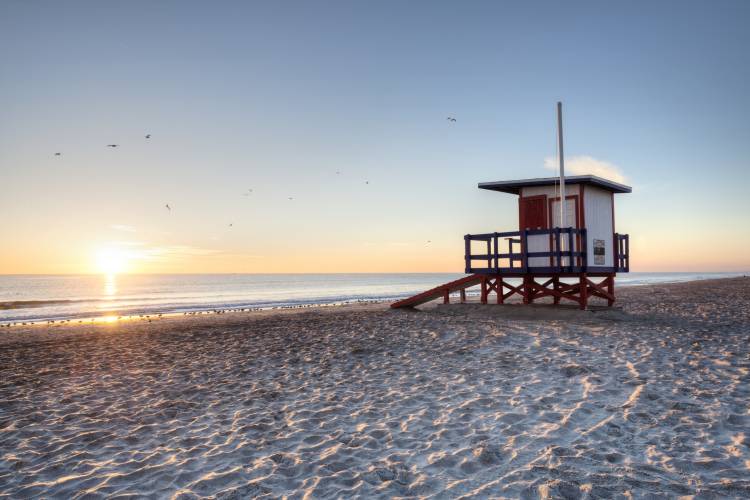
[249, 192]
[230, 225]
[168, 207]
[58, 154]
[451, 119]
[148, 136]
[291, 198]
[112, 145]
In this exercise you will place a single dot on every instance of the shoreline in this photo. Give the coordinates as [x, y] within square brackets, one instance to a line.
[115, 316]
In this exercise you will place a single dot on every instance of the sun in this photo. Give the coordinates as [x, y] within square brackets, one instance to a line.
[111, 260]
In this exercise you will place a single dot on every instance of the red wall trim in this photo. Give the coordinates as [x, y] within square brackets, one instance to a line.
[614, 231]
[583, 208]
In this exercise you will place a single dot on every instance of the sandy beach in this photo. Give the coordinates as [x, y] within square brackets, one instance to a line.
[649, 399]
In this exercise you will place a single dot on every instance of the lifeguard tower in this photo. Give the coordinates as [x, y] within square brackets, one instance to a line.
[565, 250]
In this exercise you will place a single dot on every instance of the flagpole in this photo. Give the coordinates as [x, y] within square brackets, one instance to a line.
[563, 205]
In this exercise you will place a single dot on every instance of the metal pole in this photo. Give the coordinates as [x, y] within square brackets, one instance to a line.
[563, 205]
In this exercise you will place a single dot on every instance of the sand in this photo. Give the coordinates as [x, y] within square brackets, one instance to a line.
[361, 401]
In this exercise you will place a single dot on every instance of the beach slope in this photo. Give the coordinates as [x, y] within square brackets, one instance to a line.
[452, 401]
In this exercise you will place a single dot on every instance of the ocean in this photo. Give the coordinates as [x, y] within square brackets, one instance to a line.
[26, 298]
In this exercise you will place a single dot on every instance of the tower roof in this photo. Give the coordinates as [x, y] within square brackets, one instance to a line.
[514, 187]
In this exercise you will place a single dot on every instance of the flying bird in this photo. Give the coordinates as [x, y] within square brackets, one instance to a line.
[58, 154]
[168, 207]
[230, 225]
[112, 145]
[367, 182]
[249, 192]
[291, 198]
[451, 119]
[338, 172]
[148, 136]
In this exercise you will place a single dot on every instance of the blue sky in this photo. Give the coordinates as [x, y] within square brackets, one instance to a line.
[278, 97]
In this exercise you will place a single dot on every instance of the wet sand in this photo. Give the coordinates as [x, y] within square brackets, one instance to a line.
[451, 401]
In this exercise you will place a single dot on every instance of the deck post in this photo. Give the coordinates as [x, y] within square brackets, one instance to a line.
[617, 252]
[489, 254]
[570, 248]
[627, 253]
[467, 254]
[463, 295]
[496, 244]
[524, 251]
[611, 288]
[583, 292]
[584, 250]
[483, 297]
[447, 296]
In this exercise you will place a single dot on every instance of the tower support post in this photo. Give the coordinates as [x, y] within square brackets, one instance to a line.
[556, 288]
[527, 289]
[583, 291]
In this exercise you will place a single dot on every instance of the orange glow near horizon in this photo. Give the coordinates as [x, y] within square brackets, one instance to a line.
[647, 255]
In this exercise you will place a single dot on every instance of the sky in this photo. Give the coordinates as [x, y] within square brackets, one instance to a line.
[277, 97]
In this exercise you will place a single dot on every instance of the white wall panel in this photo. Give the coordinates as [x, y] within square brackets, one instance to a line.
[598, 217]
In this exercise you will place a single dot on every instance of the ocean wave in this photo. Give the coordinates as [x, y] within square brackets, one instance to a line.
[28, 304]
[166, 307]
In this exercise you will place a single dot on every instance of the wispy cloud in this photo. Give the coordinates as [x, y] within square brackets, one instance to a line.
[175, 252]
[123, 228]
[584, 165]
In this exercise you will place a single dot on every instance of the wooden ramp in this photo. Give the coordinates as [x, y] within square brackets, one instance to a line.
[440, 291]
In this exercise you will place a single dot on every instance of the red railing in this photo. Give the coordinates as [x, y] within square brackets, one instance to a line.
[566, 254]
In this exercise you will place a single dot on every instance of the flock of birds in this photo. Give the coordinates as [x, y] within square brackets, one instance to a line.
[147, 136]
[249, 192]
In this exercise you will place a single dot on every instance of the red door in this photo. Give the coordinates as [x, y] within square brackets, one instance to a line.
[533, 212]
